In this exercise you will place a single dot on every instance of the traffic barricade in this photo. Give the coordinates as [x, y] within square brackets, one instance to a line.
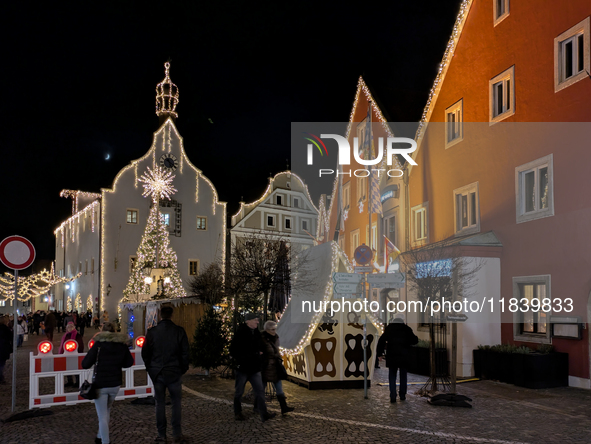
[45, 364]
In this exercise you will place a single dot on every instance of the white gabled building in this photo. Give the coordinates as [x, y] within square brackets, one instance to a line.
[101, 238]
[285, 209]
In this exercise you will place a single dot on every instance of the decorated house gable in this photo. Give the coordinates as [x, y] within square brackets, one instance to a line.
[284, 210]
[195, 218]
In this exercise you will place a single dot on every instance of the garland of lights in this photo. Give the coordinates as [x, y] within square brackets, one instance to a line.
[31, 286]
[154, 250]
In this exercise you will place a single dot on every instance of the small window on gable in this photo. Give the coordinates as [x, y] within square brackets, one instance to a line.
[571, 55]
[305, 225]
[270, 221]
[131, 216]
[201, 223]
[500, 11]
[193, 267]
[534, 185]
[502, 96]
[296, 202]
[279, 200]
[467, 214]
[454, 124]
[287, 223]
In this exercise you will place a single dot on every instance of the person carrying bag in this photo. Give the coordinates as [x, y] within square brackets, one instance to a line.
[115, 356]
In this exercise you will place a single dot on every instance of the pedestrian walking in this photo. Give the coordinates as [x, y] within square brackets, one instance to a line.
[81, 324]
[271, 360]
[111, 354]
[166, 356]
[50, 323]
[396, 340]
[5, 345]
[71, 333]
[21, 327]
[247, 349]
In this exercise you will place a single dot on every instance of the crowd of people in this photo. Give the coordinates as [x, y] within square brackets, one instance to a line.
[166, 356]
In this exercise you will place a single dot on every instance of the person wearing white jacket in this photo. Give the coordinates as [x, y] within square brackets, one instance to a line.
[21, 329]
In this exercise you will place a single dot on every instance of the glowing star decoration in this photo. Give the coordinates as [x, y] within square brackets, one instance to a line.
[346, 214]
[157, 183]
[361, 206]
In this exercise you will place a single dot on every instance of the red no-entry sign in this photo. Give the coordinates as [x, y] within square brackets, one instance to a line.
[17, 253]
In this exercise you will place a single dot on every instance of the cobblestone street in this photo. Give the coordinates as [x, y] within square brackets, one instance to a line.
[501, 413]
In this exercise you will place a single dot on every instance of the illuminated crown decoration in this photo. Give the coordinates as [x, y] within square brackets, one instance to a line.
[167, 95]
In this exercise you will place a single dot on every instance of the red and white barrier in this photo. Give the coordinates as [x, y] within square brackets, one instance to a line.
[47, 365]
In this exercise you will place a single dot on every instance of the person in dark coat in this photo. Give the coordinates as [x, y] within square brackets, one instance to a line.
[5, 345]
[36, 321]
[247, 350]
[396, 340]
[50, 323]
[111, 354]
[166, 355]
[271, 357]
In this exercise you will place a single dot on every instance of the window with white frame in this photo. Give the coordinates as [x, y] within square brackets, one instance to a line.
[305, 225]
[500, 11]
[347, 195]
[165, 219]
[354, 241]
[571, 55]
[296, 202]
[502, 95]
[279, 199]
[530, 320]
[374, 236]
[132, 216]
[454, 124]
[419, 228]
[534, 188]
[193, 267]
[467, 213]
[270, 221]
[288, 223]
[361, 188]
[342, 243]
[201, 223]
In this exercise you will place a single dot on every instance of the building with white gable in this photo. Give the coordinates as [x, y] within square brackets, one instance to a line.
[102, 236]
[284, 210]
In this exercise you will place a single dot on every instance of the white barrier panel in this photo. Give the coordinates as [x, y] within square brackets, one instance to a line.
[47, 365]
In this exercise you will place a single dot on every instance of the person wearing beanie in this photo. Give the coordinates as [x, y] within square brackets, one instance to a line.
[247, 349]
[396, 340]
[71, 333]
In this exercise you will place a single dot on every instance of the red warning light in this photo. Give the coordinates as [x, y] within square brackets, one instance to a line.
[45, 347]
[90, 343]
[71, 345]
[140, 341]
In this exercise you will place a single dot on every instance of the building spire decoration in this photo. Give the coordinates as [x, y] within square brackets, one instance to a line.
[167, 96]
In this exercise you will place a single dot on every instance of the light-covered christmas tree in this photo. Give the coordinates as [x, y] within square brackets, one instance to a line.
[154, 251]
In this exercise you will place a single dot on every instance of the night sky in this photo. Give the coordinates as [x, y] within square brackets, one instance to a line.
[78, 88]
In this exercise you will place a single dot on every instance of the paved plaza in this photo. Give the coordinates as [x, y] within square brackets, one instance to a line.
[501, 413]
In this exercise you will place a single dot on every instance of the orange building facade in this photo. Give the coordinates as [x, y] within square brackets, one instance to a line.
[503, 152]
